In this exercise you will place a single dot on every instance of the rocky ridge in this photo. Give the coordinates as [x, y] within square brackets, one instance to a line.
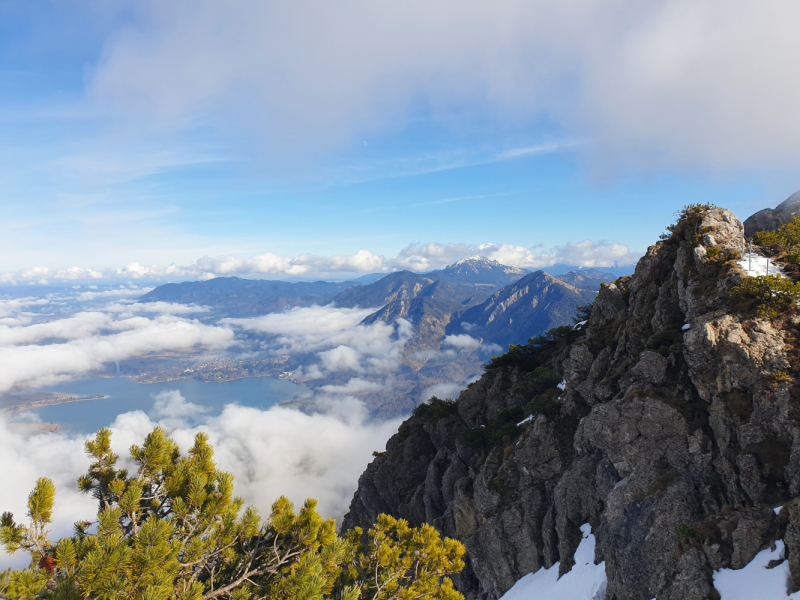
[670, 422]
[769, 219]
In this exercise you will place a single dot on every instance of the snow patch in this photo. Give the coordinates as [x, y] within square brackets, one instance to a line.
[757, 266]
[755, 580]
[777, 510]
[685, 327]
[525, 420]
[563, 385]
[586, 580]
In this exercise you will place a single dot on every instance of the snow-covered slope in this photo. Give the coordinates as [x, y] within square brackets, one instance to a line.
[585, 581]
[758, 580]
[766, 577]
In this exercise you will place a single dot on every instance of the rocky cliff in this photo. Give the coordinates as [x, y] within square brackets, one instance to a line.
[769, 219]
[670, 422]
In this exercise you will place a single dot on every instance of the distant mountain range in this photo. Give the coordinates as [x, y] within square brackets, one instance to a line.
[527, 308]
[244, 297]
[494, 304]
[489, 301]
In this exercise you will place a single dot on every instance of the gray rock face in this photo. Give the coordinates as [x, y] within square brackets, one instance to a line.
[770, 219]
[673, 444]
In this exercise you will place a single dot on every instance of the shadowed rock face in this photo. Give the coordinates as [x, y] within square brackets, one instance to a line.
[770, 219]
[674, 444]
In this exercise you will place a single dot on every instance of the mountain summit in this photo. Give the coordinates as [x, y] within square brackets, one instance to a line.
[478, 269]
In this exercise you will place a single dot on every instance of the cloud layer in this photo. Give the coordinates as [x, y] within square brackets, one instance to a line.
[414, 257]
[671, 82]
[341, 344]
[39, 348]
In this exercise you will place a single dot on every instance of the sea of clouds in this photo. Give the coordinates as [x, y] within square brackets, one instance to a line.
[272, 452]
[71, 334]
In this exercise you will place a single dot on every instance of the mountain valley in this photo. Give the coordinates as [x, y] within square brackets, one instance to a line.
[456, 319]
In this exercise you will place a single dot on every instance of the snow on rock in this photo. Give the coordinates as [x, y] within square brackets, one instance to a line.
[756, 580]
[586, 580]
[756, 265]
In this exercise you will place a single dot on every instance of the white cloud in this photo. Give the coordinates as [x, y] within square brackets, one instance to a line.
[268, 263]
[170, 308]
[430, 256]
[414, 257]
[341, 358]
[94, 339]
[442, 390]
[462, 341]
[335, 335]
[596, 254]
[24, 460]
[587, 253]
[42, 275]
[172, 410]
[353, 386]
[13, 306]
[314, 324]
[121, 293]
[672, 81]
[77, 273]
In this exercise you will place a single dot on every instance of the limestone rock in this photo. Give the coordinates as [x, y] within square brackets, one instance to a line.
[674, 444]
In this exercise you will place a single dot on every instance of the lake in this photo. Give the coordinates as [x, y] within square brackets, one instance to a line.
[125, 395]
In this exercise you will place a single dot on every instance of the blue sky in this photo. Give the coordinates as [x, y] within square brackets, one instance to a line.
[158, 133]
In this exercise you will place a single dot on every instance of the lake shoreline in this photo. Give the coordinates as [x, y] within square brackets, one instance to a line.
[54, 399]
[73, 406]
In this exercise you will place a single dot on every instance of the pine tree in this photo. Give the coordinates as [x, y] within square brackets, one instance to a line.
[174, 530]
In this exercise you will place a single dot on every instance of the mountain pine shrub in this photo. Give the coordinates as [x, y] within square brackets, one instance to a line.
[435, 409]
[173, 530]
[768, 295]
[537, 381]
[787, 235]
[537, 351]
[683, 218]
